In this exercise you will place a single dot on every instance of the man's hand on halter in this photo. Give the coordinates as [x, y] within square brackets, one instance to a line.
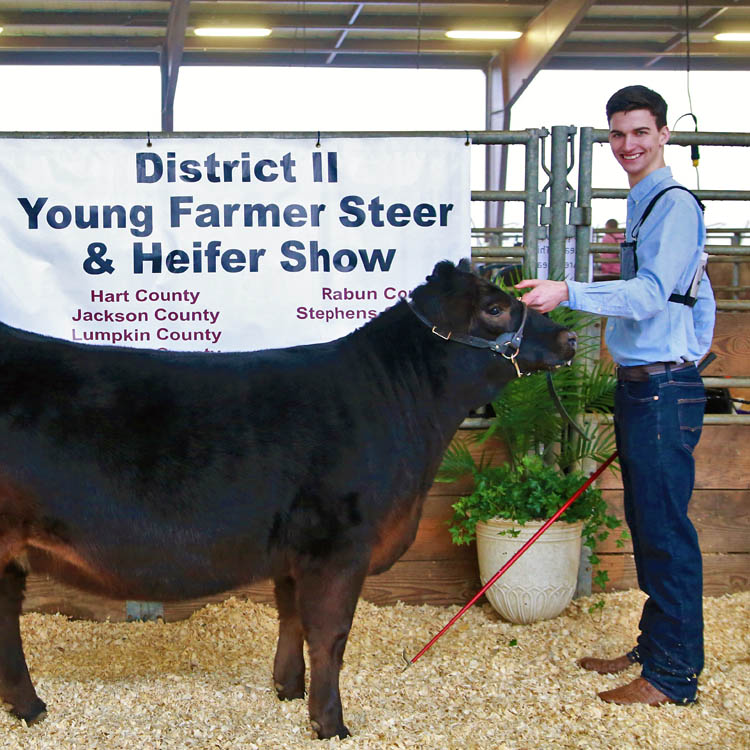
[544, 295]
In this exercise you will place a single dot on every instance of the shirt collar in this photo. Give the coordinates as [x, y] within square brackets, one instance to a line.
[648, 183]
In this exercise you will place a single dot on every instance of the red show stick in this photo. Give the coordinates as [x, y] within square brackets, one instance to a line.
[518, 554]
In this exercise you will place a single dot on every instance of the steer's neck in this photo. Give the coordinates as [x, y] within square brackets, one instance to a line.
[440, 380]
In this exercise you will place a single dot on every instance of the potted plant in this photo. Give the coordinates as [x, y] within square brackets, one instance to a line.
[511, 501]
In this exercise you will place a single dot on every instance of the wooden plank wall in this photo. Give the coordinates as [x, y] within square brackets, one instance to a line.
[719, 509]
[435, 571]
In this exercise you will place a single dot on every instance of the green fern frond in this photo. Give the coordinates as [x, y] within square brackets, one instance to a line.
[458, 461]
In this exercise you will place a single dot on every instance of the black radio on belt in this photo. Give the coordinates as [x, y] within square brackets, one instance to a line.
[629, 257]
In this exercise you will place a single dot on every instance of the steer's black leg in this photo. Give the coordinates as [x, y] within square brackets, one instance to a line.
[15, 683]
[289, 664]
[327, 597]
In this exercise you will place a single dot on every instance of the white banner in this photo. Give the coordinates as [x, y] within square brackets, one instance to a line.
[222, 244]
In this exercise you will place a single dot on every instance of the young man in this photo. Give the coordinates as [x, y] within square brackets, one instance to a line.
[659, 325]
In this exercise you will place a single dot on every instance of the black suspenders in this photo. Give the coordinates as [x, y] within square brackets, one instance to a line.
[684, 299]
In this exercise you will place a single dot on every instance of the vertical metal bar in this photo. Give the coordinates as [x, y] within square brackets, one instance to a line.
[502, 177]
[592, 332]
[583, 228]
[736, 240]
[496, 156]
[171, 59]
[531, 203]
[558, 198]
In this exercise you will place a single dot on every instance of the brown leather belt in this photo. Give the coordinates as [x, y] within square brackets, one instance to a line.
[644, 372]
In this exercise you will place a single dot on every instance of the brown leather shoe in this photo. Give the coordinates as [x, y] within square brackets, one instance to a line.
[637, 691]
[605, 666]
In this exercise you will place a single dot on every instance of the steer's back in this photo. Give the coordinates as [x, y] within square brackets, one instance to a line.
[142, 473]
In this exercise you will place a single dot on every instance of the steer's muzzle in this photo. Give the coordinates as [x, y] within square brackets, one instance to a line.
[568, 344]
[563, 350]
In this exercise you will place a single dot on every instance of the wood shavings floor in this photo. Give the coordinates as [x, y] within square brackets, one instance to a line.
[206, 683]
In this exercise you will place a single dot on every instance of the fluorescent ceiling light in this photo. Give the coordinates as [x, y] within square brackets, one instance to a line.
[468, 34]
[229, 31]
[733, 37]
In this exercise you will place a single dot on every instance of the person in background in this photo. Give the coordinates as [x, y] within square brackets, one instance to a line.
[660, 323]
[610, 262]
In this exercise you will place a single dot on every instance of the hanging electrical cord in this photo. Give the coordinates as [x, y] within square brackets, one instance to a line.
[694, 152]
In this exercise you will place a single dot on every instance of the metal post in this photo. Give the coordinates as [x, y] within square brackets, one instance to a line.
[558, 201]
[531, 203]
[583, 213]
[737, 237]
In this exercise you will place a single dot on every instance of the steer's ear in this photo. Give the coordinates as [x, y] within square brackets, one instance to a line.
[448, 298]
[465, 265]
[442, 270]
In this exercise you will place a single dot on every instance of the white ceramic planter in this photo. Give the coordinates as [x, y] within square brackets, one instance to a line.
[541, 583]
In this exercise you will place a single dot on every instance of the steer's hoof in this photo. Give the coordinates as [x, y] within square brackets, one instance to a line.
[35, 712]
[342, 733]
[289, 692]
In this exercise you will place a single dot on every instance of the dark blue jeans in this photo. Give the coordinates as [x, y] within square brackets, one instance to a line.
[658, 424]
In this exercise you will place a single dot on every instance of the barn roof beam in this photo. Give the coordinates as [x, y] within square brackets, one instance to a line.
[268, 44]
[677, 39]
[543, 36]
[479, 53]
[33, 23]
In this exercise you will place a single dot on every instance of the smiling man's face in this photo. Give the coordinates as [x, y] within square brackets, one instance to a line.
[637, 143]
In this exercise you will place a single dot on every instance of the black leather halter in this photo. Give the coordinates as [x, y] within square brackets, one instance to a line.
[507, 344]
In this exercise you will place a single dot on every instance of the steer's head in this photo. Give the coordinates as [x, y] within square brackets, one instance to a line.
[462, 305]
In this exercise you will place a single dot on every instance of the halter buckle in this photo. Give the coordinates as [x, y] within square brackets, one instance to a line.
[442, 336]
[512, 358]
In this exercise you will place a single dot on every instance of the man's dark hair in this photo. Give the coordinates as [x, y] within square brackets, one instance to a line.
[638, 97]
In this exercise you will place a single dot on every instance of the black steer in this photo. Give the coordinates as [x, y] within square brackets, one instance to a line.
[141, 474]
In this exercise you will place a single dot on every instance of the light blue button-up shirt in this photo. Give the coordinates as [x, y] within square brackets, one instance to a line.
[643, 327]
